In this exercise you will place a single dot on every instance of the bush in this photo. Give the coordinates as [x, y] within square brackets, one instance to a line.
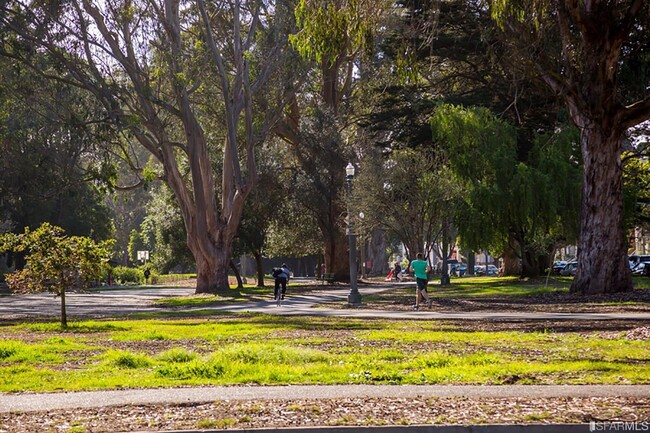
[123, 275]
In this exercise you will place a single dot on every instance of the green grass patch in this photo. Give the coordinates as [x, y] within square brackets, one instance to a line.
[272, 350]
[126, 360]
[202, 300]
[499, 286]
[177, 355]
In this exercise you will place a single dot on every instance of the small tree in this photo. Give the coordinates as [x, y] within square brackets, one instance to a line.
[55, 262]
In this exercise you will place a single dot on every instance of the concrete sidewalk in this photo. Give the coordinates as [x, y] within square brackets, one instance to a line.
[91, 399]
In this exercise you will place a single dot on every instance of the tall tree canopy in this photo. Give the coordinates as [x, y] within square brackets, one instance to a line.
[48, 141]
[163, 70]
[586, 51]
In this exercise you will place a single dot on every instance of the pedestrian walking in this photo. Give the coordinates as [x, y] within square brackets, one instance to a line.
[420, 268]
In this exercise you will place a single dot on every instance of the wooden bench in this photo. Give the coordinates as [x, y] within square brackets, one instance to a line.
[327, 278]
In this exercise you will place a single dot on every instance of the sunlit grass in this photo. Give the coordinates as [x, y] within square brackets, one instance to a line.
[279, 350]
[498, 286]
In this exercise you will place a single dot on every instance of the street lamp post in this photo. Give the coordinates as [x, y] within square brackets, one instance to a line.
[354, 297]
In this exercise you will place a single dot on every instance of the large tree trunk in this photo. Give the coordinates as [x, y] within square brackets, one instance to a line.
[336, 257]
[212, 272]
[511, 262]
[377, 253]
[602, 250]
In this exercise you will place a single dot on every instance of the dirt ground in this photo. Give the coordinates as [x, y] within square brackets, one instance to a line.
[338, 412]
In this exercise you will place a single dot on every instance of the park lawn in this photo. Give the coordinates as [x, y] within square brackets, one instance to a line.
[555, 289]
[500, 286]
[476, 287]
[269, 350]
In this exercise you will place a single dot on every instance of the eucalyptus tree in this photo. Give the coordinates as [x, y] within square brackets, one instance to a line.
[332, 36]
[586, 52]
[161, 70]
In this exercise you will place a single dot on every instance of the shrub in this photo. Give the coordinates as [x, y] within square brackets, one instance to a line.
[123, 275]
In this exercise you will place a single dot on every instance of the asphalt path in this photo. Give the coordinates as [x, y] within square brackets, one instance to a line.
[132, 301]
[28, 402]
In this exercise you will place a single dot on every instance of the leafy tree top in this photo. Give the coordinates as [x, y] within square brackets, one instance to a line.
[55, 262]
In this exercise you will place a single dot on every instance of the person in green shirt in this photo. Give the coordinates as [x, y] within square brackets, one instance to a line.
[419, 267]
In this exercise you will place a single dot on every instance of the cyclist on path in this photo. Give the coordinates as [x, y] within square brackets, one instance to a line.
[282, 276]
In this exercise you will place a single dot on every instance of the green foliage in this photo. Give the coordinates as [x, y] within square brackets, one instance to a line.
[534, 202]
[123, 275]
[163, 233]
[636, 181]
[482, 152]
[136, 243]
[327, 28]
[48, 138]
[55, 262]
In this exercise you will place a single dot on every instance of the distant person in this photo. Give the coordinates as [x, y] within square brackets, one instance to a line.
[147, 274]
[419, 267]
[282, 276]
[397, 272]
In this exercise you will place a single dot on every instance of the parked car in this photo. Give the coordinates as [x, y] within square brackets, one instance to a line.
[642, 268]
[461, 269]
[558, 266]
[636, 259]
[569, 269]
[481, 270]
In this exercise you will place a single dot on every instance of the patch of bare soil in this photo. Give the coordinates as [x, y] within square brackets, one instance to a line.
[343, 412]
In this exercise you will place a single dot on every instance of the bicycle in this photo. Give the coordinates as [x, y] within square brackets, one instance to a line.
[278, 298]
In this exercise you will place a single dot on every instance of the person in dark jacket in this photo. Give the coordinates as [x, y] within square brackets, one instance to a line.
[282, 276]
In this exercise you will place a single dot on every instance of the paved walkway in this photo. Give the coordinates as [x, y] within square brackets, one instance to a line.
[124, 302]
[48, 401]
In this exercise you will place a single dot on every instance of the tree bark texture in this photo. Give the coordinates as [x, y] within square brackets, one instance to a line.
[602, 248]
[259, 266]
[511, 261]
[377, 253]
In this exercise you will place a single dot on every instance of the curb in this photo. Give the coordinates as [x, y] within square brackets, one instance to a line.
[496, 428]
